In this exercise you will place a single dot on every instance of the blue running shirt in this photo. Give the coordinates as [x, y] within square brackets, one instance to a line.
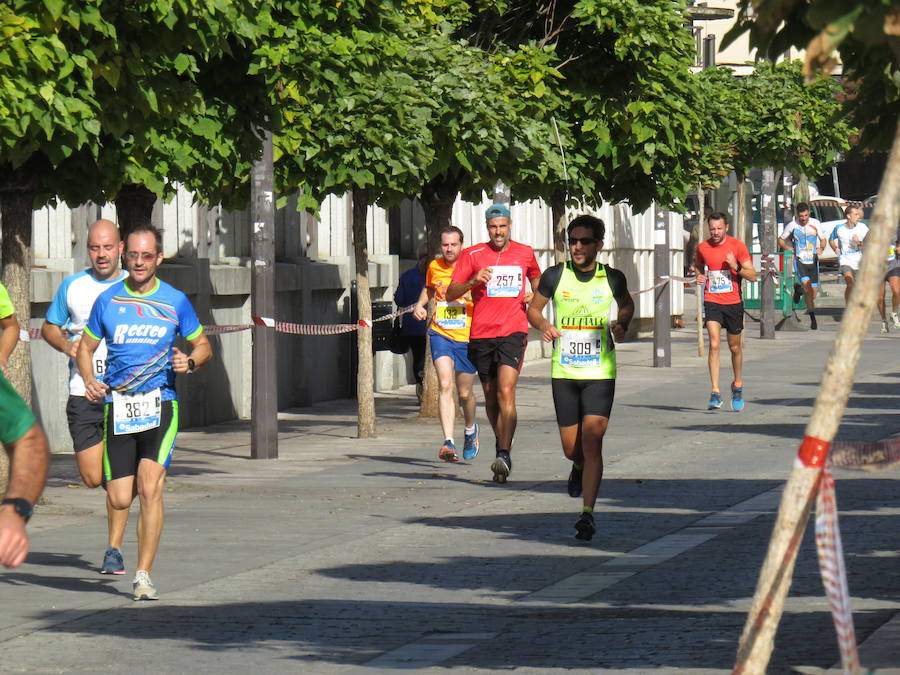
[70, 310]
[139, 331]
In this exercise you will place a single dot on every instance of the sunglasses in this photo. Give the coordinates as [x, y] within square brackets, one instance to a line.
[146, 256]
[584, 241]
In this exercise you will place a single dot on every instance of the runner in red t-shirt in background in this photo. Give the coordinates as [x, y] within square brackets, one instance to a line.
[720, 264]
[496, 274]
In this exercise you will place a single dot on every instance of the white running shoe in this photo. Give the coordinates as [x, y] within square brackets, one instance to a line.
[143, 587]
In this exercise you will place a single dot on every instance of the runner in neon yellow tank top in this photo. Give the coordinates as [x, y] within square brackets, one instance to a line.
[583, 367]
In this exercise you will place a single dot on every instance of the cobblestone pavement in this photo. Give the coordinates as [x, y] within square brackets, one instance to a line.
[365, 556]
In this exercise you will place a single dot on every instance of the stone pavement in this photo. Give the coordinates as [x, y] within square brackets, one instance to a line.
[348, 555]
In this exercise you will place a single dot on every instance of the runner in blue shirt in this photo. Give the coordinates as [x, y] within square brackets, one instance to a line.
[62, 330]
[140, 319]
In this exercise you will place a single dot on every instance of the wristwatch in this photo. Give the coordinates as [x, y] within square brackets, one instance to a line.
[21, 506]
[191, 366]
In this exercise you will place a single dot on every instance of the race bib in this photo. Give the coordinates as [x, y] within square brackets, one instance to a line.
[450, 315]
[133, 413]
[807, 254]
[580, 348]
[719, 281]
[506, 282]
[892, 254]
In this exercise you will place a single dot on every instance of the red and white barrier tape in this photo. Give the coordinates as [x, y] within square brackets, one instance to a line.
[833, 571]
[279, 326]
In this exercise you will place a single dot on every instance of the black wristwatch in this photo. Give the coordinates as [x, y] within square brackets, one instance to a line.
[191, 366]
[22, 506]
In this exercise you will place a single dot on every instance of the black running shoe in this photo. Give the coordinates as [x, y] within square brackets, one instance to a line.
[575, 480]
[501, 466]
[798, 293]
[584, 527]
[812, 322]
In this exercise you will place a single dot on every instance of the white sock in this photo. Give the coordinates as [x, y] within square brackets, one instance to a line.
[470, 430]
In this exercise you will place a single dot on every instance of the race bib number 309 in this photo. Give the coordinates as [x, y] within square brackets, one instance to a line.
[580, 348]
[133, 413]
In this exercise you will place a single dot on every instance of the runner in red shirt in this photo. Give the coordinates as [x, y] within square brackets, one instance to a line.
[496, 273]
[720, 264]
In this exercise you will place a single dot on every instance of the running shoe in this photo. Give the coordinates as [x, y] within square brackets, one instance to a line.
[715, 400]
[812, 322]
[143, 587]
[584, 527]
[501, 466]
[895, 318]
[884, 327]
[448, 452]
[470, 447]
[737, 398]
[575, 480]
[798, 293]
[113, 561]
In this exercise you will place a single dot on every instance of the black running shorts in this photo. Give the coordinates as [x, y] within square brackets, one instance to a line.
[85, 422]
[574, 399]
[805, 271]
[123, 453]
[730, 317]
[487, 354]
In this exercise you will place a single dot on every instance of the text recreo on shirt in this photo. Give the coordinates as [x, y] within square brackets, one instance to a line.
[141, 330]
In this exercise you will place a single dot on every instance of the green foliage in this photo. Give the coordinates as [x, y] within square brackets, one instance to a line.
[115, 92]
[865, 34]
[625, 112]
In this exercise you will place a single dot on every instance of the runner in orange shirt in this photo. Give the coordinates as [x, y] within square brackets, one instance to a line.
[449, 336]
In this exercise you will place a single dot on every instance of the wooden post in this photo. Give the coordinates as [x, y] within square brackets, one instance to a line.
[757, 640]
[767, 247]
[662, 306]
[264, 404]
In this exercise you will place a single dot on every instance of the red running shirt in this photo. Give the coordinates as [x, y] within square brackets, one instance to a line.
[723, 287]
[499, 304]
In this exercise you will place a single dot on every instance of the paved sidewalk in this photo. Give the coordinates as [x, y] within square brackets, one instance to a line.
[350, 555]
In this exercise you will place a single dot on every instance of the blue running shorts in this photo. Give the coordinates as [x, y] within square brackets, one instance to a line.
[458, 351]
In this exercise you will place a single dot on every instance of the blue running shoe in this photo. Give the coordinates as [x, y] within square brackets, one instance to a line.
[113, 561]
[470, 447]
[737, 398]
[715, 400]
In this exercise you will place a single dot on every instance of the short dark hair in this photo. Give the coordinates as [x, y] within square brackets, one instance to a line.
[450, 229]
[717, 215]
[594, 224]
[146, 228]
[850, 208]
[802, 207]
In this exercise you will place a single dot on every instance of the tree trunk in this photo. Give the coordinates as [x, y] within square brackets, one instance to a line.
[365, 376]
[16, 209]
[698, 289]
[758, 636]
[558, 215]
[134, 206]
[801, 192]
[743, 229]
[437, 199]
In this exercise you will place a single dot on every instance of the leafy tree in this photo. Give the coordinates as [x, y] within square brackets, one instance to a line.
[104, 93]
[625, 126]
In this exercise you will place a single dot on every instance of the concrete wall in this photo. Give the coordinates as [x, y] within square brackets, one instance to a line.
[208, 258]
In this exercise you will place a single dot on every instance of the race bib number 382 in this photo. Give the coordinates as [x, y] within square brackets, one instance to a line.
[506, 282]
[133, 413]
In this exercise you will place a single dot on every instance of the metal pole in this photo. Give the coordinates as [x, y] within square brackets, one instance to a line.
[767, 247]
[662, 310]
[264, 405]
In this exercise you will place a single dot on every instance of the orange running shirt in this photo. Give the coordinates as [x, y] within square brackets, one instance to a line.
[451, 319]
